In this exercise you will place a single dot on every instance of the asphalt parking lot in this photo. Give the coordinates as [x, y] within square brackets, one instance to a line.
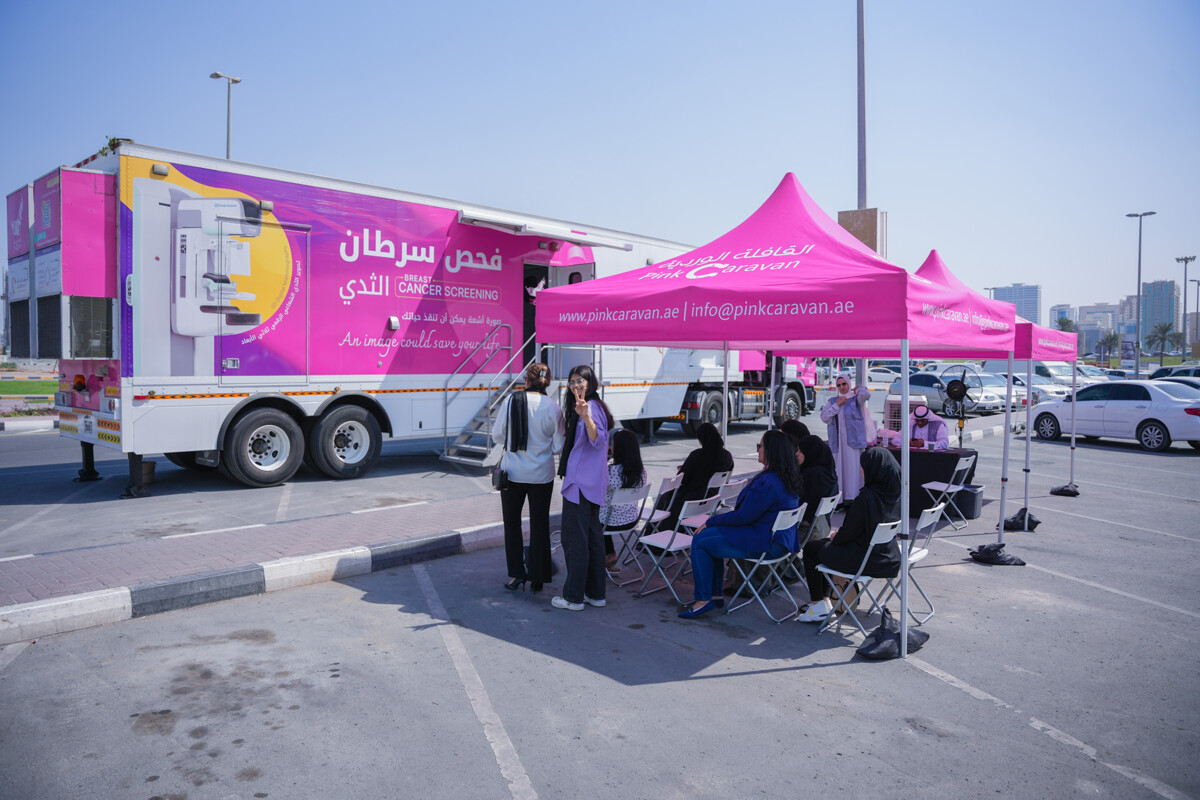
[1072, 676]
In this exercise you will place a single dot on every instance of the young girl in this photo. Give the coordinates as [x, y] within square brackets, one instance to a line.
[625, 472]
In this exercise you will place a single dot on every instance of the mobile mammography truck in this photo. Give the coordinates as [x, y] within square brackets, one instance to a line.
[251, 319]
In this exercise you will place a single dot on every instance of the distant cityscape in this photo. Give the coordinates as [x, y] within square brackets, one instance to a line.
[1162, 301]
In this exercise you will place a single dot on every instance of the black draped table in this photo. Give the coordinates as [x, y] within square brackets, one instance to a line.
[931, 465]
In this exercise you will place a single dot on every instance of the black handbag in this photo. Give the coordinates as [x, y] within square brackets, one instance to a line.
[499, 478]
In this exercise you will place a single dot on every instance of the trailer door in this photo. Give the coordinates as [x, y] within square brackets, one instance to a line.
[566, 356]
[264, 325]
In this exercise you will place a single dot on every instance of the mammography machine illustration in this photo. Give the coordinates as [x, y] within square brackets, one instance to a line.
[193, 249]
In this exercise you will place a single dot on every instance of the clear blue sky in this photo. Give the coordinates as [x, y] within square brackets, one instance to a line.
[1012, 137]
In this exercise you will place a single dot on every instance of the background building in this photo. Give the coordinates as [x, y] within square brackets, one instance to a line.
[1160, 303]
[1106, 315]
[1060, 311]
[1027, 299]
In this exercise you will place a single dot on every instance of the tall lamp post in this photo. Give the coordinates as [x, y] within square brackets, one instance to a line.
[1185, 260]
[228, 111]
[1197, 282]
[1137, 345]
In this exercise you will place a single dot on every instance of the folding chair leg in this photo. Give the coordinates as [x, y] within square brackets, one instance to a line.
[841, 607]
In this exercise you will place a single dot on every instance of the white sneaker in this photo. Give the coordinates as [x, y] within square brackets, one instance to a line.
[558, 602]
[816, 612]
[601, 603]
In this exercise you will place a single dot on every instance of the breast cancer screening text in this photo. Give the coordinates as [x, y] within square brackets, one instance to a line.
[759, 309]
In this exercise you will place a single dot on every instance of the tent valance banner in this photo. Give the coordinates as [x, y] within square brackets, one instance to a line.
[789, 278]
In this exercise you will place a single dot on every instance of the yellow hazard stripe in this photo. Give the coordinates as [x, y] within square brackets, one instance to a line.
[108, 437]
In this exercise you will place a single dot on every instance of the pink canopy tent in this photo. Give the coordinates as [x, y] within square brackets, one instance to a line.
[1033, 342]
[789, 278]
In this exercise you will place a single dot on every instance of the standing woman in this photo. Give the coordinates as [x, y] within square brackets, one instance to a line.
[531, 426]
[846, 414]
[584, 470]
[746, 532]
[879, 501]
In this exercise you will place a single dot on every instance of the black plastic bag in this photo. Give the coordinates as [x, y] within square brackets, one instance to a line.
[1017, 521]
[994, 554]
[884, 641]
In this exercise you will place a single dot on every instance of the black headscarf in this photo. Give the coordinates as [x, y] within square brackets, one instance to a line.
[879, 500]
[818, 473]
[881, 487]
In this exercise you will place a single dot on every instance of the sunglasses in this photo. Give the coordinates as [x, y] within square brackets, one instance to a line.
[577, 382]
[759, 446]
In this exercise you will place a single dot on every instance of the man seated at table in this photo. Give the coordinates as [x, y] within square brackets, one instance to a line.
[925, 427]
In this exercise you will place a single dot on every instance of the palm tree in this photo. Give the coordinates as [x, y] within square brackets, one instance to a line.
[1108, 342]
[1065, 324]
[1160, 337]
[1178, 342]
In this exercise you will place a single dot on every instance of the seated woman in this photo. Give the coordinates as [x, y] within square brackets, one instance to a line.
[878, 501]
[698, 468]
[818, 480]
[625, 472]
[746, 531]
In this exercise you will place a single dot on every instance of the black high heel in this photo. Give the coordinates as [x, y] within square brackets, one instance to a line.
[515, 584]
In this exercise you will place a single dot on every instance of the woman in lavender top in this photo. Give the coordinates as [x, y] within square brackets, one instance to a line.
[584, 470]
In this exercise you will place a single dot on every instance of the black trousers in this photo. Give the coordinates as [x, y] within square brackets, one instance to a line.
[583, 546]
[824, 551]
[512, 502]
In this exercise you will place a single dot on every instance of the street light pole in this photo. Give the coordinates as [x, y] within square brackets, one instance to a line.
[228, 111]
[1197, 282]
[1137, 355]
[1185, 260]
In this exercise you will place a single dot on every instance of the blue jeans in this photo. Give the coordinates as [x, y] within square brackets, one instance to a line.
[710, 548]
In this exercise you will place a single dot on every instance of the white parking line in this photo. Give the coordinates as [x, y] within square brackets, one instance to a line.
[17, 558]
[1093, 585]
[511, 768]
[1158, 787]
[1112, 522]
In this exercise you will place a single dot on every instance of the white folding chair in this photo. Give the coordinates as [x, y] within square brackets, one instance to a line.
[675, 543]
[795, 567]
[624, 533]
[772, 581]
[652, 515]
[728, 493]
[943, 492]
[716, 482]
[884, 533]
[918, 548]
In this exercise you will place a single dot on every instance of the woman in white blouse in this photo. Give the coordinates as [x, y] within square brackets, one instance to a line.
[531, 427]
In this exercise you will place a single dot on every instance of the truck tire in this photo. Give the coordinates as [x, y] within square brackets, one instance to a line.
[791, 406]
[713, 409]
[688, 427]
[263, 448]
[345, 442]
[187, 460]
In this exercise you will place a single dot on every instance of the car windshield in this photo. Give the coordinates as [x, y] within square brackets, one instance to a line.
[1180, 390]
[990, 380]
[1059, 370]
[1096, 371]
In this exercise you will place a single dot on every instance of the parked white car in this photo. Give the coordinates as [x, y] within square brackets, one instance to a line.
[1155, 413]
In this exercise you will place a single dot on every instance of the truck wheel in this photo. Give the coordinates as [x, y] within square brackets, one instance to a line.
[263, 448]
[713, 409]
[187, 460]
[345, 442]
[688, 427]
[791, 406]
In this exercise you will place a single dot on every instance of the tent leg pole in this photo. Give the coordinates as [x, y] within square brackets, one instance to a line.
[905, 477]
[1007, 440]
